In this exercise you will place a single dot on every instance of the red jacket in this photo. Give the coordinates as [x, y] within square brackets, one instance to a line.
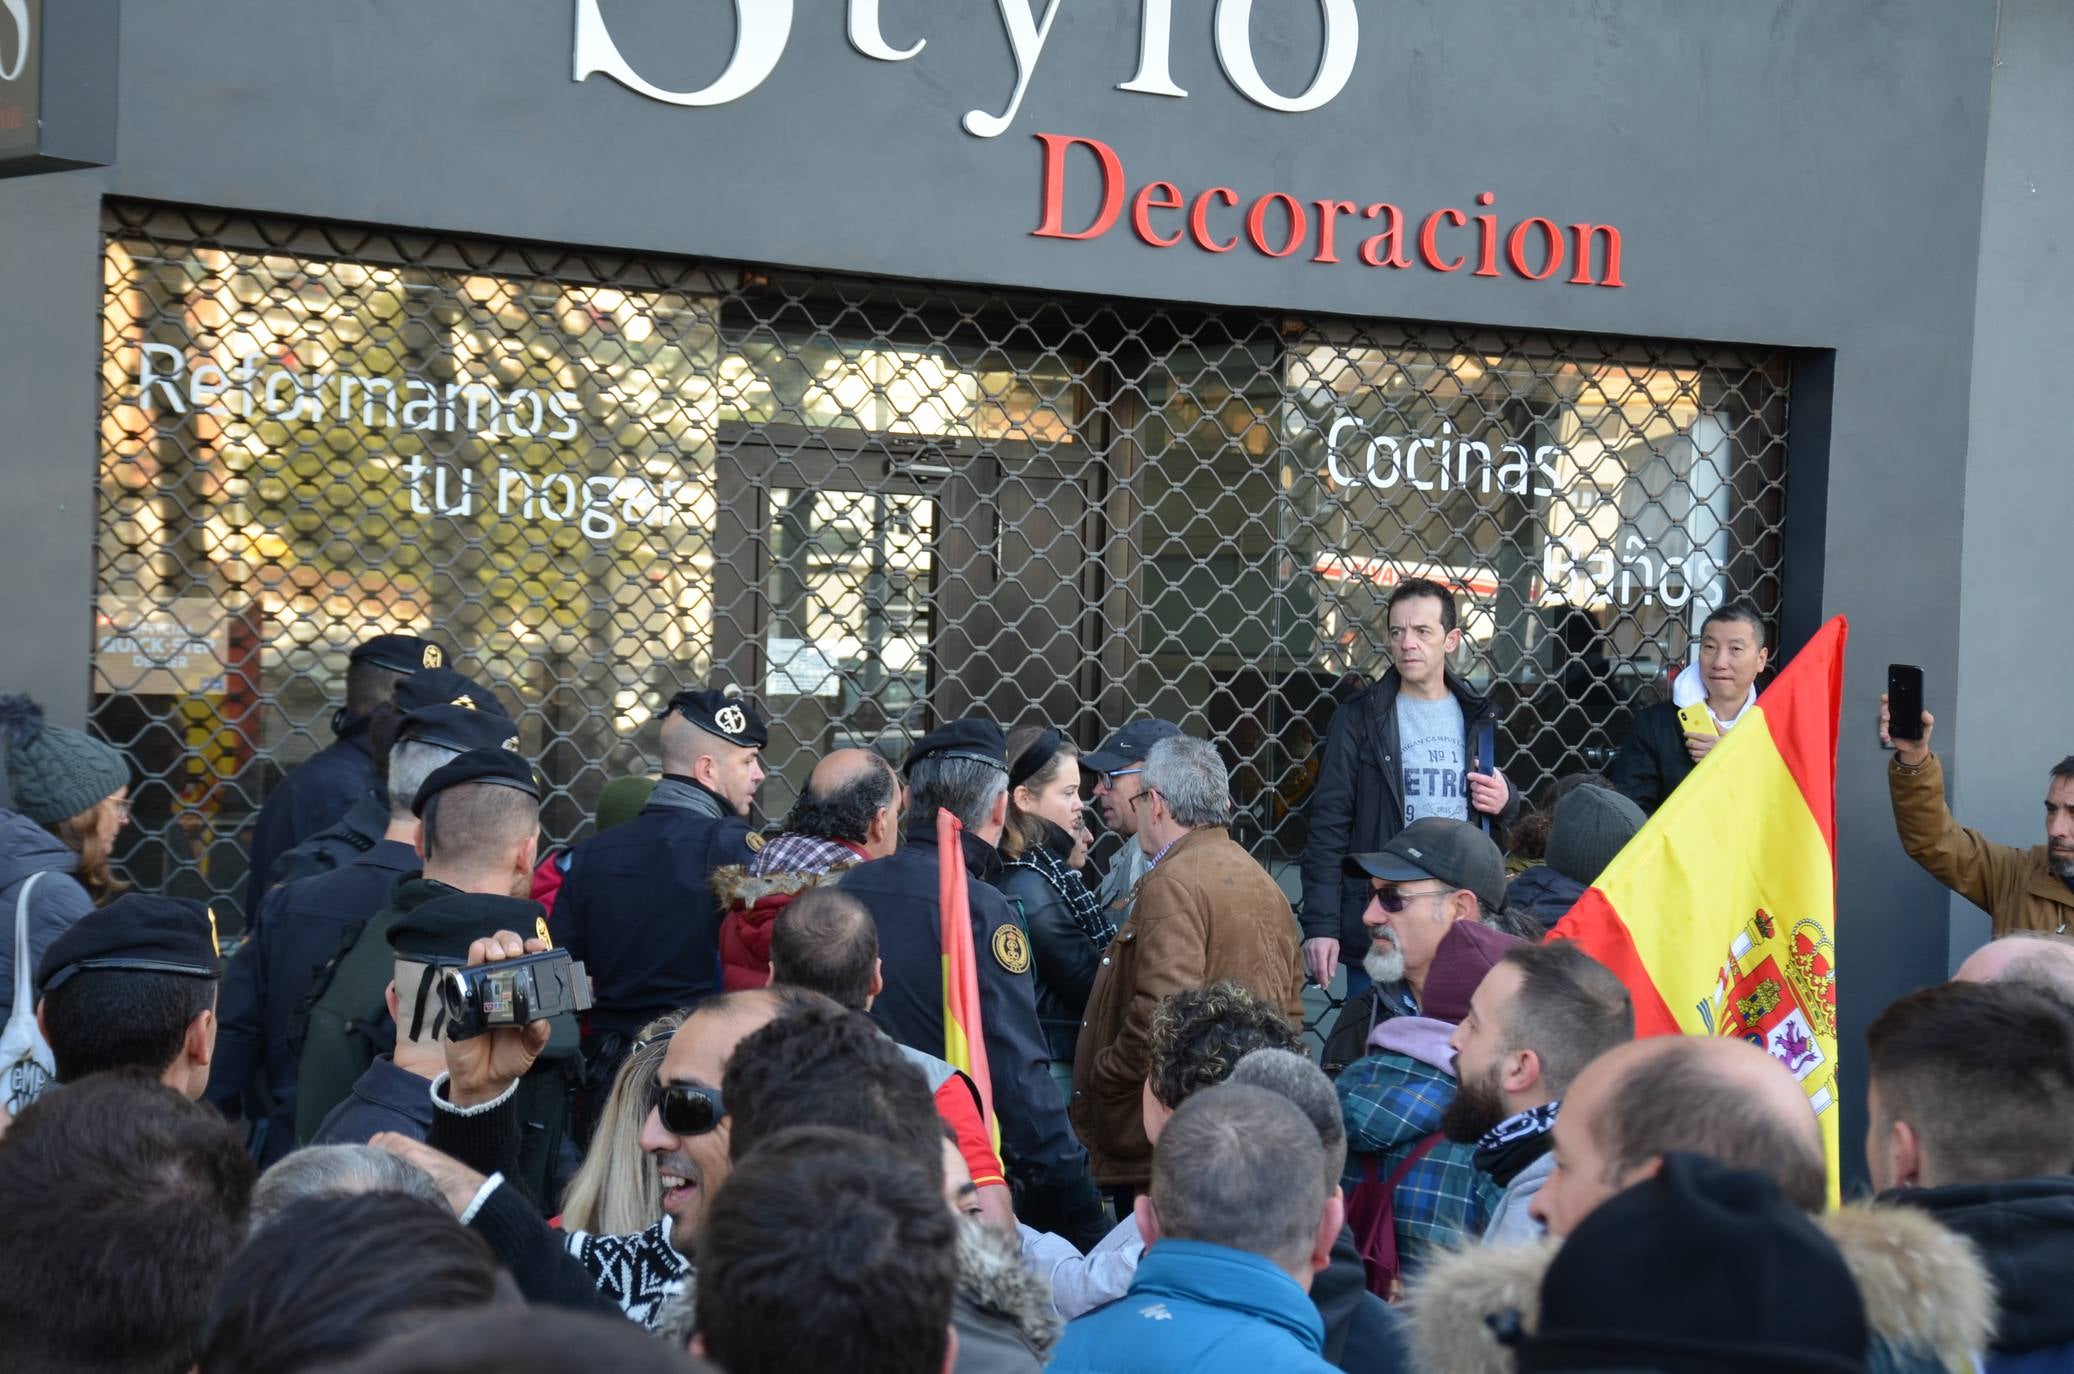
[753, 902]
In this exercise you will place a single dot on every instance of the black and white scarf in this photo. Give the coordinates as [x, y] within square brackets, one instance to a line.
[1049, 860]
[1510, 1146]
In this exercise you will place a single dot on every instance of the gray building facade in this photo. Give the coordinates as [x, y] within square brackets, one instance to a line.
[1062, 360]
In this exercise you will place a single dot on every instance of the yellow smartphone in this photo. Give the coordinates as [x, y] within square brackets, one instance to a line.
[1696, 720]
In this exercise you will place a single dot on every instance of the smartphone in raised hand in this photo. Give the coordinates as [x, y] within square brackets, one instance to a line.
[1904, 701]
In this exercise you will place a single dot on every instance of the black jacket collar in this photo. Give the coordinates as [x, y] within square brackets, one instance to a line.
[2024, 1230]
[982, 860]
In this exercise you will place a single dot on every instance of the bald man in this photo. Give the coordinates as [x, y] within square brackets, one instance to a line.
[849, 812]
[1704, 1095]
[2040, 958]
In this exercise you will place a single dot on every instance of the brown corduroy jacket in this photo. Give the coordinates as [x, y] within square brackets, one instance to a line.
[2016, 887]
[1207, 912]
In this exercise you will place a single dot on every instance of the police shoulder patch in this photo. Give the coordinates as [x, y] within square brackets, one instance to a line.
[1011, 947]
[754, 841]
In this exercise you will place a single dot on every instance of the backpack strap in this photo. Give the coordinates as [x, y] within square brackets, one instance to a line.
[1372, 1213]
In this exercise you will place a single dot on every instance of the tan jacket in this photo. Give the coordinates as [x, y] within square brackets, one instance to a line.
[2016, 887]
[1207, 912]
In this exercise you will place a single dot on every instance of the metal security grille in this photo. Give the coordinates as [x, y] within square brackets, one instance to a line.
[872, 505]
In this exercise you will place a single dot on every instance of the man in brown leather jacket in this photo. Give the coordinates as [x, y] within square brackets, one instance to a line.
[1205, 911]
[2020, 889]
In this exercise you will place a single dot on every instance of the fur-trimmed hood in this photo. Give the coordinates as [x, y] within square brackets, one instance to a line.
[740, 890]
[993, 1279]
[1927, 1294]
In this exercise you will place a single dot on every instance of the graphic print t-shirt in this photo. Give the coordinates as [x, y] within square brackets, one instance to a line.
[1430, 757]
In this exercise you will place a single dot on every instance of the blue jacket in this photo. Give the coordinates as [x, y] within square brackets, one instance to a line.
[297, 930]
[2024, 1230]
[637, 906]
[1196, 1308]
[385, 1098]
[58, 901]
[1046, 1164]
[312, 796]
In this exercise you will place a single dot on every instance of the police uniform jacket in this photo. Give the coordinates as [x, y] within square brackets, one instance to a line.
[1044, 1159]
[339, 844]
[637, 905]
[313, 795]
[385, 1098]
[299, 928]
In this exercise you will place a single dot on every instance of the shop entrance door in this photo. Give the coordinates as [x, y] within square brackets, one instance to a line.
[869, 586]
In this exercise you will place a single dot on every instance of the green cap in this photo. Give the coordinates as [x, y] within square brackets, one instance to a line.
[55, 773]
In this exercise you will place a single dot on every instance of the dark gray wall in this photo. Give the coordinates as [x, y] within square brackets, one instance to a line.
[2015, 656]
[1804, 172]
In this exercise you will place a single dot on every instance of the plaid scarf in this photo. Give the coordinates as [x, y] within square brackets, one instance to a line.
[793, 853]
[1048, 859]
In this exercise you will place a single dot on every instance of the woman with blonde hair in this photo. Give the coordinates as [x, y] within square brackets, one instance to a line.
[1044, 849]
[617, 1190]
[71, 800]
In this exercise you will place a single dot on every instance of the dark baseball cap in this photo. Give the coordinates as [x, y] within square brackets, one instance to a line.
[1128, 746]
[1456, 852]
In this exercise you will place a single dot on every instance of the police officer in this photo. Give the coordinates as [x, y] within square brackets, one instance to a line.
[302, 925]
[636, 905]
[394, 1094]
[962, 767]
[479, 831]
[365, 821]
[318, 791]
[129, 983]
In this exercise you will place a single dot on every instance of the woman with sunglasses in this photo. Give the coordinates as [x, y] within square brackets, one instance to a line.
[1044, 849]
[618, 1189]
[71, 800]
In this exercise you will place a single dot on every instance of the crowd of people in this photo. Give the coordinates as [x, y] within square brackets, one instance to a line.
[687, 1095]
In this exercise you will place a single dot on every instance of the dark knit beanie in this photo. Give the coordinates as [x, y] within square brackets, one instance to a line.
[1592, 824]
[1700, 1269]
[55, 773]
[1468, 951]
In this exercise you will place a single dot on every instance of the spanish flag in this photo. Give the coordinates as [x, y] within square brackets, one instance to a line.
[964, 1040]
[1720, 915]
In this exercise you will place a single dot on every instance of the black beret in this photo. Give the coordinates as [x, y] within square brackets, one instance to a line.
[717, 713]
[442, 929]
[497, 767]
[445, 687]
[458, 727]
[974, 739]
[399, 653]
[138, 932]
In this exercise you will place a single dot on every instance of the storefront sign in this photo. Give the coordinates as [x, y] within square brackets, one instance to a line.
[1438, 462]
[1277, 224]
[764, 27]
[57, 85]
[151, 649]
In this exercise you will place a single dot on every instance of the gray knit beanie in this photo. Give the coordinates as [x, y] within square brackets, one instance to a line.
[53, 772]
[1592, 823]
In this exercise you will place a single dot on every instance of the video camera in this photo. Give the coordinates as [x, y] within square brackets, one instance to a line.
[512, 993]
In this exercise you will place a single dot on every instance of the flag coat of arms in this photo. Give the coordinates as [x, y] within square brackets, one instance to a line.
[1720, 915]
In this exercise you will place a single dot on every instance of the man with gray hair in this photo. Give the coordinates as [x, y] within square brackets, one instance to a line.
[338, 1171]
[1238, 1222]
[1205, 911]
[2041, 959]
[962, 767]
[305, 926]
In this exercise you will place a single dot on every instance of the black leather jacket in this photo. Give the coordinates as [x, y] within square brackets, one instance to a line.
[1067, 960]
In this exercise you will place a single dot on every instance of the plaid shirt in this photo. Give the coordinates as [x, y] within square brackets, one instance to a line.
[1391, 1102]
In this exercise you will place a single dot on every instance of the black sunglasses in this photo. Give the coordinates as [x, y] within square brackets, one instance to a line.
[687, 1109]
[1395, 899]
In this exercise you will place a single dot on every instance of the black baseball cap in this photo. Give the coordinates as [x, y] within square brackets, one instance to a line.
[718, 713]
[1456, 852]
[974, 739]
[139, 933]
[497, 767]
[399, 653]
[1128, 746]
